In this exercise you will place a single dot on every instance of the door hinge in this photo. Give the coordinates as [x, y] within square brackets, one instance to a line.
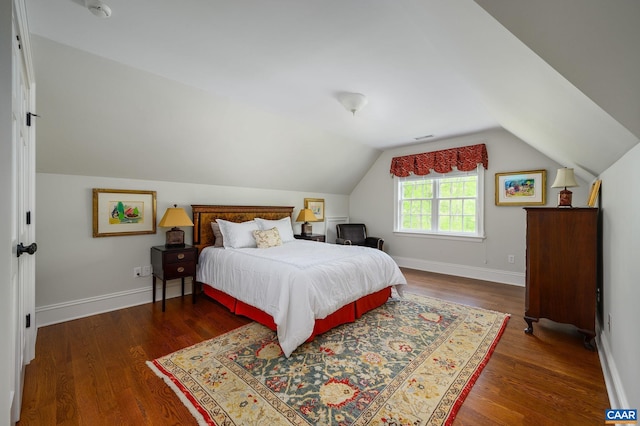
[28, 322]
[28, 218]
[19, 44]
[29, 115]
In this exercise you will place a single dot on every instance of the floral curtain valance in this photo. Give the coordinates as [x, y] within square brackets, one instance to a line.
[464, 158]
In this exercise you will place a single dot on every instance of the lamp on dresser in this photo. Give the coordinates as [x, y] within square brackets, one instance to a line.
[564, 179]
[173, 218]
[305, 216]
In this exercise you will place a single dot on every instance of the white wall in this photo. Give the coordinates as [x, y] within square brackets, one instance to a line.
[372, 202]
[621, 292]
[78, 275]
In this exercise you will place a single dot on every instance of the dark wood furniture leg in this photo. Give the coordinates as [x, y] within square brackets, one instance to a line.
[164, 292]
[154, 289]
[530, 321]
[589, 337]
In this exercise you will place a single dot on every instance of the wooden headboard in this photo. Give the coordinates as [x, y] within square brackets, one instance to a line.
[203, 215]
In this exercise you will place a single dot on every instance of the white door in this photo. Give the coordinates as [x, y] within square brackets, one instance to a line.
[23, 201]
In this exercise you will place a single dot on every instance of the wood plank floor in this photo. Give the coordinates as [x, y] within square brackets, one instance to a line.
[92, 371]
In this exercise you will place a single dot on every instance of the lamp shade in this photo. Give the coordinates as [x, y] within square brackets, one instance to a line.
[306, 215]
[175, 216]
[564, 179]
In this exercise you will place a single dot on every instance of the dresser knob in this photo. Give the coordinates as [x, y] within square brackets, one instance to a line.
[181, 256]
[181, 269]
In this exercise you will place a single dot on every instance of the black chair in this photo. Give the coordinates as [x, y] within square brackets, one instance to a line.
[356, 234]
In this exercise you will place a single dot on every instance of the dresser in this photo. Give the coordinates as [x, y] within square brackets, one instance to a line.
[562, 268]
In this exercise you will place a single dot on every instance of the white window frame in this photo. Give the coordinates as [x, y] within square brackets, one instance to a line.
[478, 236]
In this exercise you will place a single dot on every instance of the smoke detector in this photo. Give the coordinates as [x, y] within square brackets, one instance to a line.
[101, 10]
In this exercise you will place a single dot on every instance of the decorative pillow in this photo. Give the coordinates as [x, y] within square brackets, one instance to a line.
[268, 238]
[238, 235]
[283, 225]
[217, 235]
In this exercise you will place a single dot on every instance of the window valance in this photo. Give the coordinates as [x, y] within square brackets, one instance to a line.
[464, 158]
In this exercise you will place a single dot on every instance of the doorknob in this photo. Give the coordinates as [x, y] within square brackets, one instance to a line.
[31, 249]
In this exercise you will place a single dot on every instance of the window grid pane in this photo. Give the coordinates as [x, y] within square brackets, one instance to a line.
[454, 200]
[416, 205]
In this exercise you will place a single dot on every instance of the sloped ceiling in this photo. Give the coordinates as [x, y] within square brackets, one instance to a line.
[594, 46]
[244, 93]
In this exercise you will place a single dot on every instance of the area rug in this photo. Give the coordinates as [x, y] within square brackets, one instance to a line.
[411, 361]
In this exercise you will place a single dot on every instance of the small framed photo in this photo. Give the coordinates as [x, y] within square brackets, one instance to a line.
[593, 195]
[118, 212]
[526, 188]
[316, 205]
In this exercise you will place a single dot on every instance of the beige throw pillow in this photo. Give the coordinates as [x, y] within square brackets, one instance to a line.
[268, 238]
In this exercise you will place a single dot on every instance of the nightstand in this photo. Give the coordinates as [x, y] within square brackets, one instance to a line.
[311, 237]
[171, 264]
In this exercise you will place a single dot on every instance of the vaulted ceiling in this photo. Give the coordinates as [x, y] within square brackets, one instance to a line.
[245, 92]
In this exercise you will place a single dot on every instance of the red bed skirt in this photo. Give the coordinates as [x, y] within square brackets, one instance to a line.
[347, 313]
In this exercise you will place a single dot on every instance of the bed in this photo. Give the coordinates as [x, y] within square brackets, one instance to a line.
[298, 288]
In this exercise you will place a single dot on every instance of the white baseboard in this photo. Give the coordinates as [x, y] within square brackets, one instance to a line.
[486, 274]
[615, 390]
[66, 311]
[74, 309]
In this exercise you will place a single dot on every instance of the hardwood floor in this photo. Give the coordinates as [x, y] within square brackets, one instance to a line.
[92, 371]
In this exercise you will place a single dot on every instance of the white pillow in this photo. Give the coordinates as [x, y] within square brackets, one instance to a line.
[283, 225]
[238, 235]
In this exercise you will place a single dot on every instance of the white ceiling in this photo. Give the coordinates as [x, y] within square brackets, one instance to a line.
[287, 57]
[428, 67]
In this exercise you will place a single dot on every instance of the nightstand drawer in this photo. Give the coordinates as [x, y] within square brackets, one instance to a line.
[311, 237]
[182, 256]
[179, 270]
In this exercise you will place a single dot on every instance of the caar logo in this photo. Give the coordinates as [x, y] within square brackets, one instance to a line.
[621, 416]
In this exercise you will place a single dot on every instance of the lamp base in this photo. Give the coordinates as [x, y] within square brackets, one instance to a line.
[306, 229]
[564, 198]
[175, 238]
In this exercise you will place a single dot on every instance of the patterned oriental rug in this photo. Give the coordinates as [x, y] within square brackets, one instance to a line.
[411, 361]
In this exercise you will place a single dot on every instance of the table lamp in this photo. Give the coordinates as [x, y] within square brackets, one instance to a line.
[306, 215]
[564, 179]
[174, 217]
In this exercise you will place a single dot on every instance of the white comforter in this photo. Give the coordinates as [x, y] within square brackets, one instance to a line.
[298, 281]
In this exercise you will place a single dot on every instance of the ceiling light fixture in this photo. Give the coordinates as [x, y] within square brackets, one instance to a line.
[353, 102]
[99, 9]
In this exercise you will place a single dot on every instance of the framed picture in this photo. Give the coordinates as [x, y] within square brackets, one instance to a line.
[119, 212]
[527, 188]
[593, 195]
[316, 205]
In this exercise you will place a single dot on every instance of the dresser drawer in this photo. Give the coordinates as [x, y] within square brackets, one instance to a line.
[179, 270]
[181, 256]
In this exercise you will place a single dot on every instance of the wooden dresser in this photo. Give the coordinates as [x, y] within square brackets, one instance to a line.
[562, 268]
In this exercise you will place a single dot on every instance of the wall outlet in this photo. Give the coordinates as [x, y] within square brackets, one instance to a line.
[511, 258]
[146, 270]
[137, 271]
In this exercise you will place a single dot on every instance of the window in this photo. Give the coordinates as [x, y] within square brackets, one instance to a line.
[446, 204]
